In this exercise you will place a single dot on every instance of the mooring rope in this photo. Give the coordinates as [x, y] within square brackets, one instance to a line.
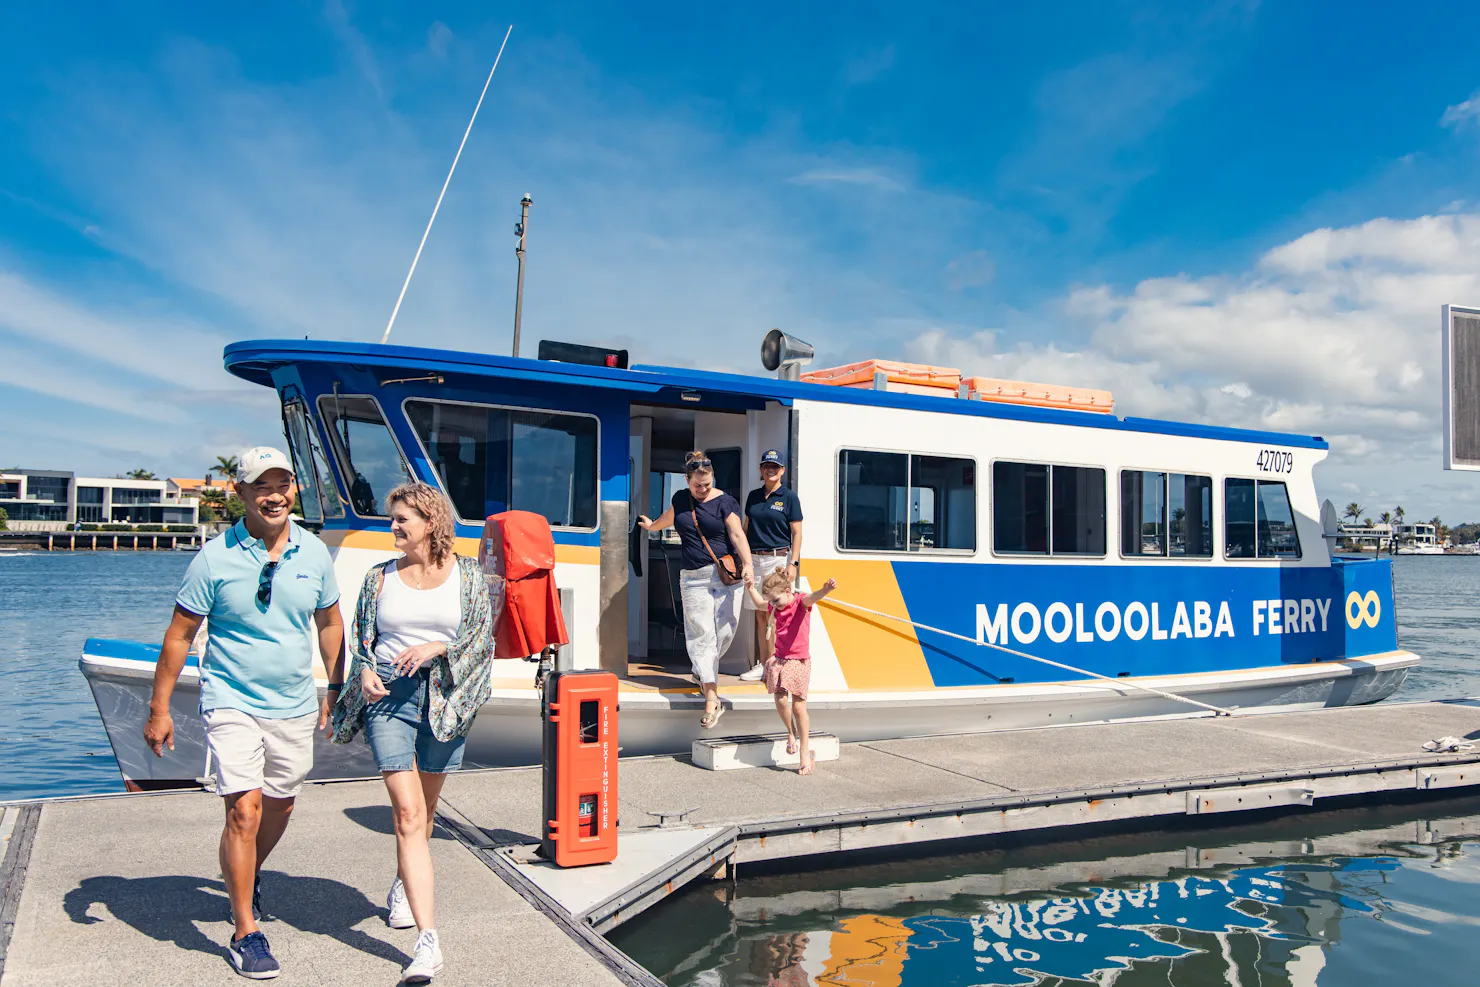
[1219, 710]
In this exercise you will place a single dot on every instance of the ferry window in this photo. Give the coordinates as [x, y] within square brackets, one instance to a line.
[1259, 522]
[942, 503]
[1020, 507]
[873, 500]
[367, 453]
[1078, 503]
[498, 459]
[1166, 514]
[1190, 501]
[1042, 510]
[1143, 513]
[317, 495]
[896, 502]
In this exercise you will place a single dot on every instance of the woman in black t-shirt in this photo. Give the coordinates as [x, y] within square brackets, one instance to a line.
[711, 534]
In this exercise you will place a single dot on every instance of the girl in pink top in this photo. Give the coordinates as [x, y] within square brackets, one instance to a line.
[789, 668]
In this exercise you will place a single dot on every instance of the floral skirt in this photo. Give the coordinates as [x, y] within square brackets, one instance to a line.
[788, 675]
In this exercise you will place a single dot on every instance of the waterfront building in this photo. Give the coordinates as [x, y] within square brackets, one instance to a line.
[1417, 535]
[55, 499]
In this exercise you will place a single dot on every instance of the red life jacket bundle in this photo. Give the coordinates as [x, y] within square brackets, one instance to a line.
[518, 546]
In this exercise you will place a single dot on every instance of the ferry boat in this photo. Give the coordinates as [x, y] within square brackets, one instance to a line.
[973, 527]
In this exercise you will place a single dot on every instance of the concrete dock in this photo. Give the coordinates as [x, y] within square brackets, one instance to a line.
[126, 888]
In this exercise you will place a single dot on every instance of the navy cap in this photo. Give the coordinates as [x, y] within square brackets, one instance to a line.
[772, 456]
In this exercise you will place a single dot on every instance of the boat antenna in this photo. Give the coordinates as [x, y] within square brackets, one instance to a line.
[400, 298]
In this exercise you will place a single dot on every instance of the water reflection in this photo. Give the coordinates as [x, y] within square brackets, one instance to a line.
[1294, 902]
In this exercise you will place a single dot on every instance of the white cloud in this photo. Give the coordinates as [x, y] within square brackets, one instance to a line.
[1334, 334]
[869, 177]
[1459, 113]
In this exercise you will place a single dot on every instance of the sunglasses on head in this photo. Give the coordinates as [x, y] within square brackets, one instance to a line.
[264, 584]
[697, 464]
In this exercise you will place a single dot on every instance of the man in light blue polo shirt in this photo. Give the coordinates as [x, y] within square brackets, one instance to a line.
[265, 586]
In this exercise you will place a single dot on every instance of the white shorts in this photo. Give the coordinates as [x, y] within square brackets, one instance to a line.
[764, 565]
[250, 752]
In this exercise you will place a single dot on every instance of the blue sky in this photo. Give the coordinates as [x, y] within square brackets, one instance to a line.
[1239, 213]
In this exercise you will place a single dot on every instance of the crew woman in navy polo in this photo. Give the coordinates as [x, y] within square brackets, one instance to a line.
[713, 538]
[773, 525]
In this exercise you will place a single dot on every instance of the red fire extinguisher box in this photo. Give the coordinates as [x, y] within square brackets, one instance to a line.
[580, 768]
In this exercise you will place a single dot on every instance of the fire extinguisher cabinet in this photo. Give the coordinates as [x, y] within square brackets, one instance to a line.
[580, 768]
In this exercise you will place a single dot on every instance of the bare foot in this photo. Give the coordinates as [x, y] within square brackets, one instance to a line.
[791, 745]
[807, 763]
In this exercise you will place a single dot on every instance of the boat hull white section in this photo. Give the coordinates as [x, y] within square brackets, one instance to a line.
[507, 732]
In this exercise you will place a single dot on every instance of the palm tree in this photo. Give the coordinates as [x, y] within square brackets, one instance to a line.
[140, 474]
[1353, 511]
[226, 466]
[1386, 517]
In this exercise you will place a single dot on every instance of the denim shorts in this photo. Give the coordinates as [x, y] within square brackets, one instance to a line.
[400, 732]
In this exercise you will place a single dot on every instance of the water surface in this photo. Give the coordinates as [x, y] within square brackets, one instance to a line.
[1377, 896]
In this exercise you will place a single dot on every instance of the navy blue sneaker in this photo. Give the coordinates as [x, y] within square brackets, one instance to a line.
[252, 957]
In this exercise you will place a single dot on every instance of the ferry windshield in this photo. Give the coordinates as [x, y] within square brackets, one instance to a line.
[367, 452]
[317, 496]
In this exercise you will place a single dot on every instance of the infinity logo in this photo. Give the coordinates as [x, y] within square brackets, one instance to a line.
[1361, 608]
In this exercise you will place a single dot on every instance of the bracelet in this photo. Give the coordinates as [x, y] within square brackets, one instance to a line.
[334, 686]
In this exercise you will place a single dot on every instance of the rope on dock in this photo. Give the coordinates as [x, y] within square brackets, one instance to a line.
[1219, 710]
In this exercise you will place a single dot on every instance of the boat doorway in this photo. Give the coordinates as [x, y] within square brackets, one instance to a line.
[661, 435]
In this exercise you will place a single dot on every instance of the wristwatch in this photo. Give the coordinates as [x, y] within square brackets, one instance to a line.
[334, 686]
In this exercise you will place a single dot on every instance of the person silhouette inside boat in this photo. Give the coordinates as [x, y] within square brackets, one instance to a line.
[715, 571]
[265, 586]
[773, 524]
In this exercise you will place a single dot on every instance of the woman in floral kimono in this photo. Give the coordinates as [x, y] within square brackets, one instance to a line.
[421, 650]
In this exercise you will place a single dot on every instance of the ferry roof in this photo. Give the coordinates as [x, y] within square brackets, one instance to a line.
[254, 360]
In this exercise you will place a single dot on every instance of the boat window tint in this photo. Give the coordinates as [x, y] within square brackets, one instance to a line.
[295, 427]
[1020, 507]
[1277, 537]
[318, 497]
[499, 459]
[367, 453]
[1190, 503]
[873, 500]
[1078, 515]
[942, 504]
[1143, 513]
[1238, 518]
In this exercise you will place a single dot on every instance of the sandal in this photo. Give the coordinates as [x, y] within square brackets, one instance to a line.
[711, 717]
[808, 763]
[791, 745]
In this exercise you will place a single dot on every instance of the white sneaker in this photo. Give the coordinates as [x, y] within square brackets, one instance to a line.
[426, 959]
[754, 674]
[399, 907]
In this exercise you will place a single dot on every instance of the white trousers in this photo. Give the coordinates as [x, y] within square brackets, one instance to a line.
[711, 613]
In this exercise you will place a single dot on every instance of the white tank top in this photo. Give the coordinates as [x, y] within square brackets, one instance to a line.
[407, 616]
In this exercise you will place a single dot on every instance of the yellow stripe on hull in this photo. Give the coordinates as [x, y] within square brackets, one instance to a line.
[874, 653]
[384, 541]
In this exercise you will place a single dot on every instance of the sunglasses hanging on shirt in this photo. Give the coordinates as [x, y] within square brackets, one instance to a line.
[264, 584]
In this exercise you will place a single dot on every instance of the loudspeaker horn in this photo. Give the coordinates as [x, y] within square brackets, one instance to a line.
[785, 353]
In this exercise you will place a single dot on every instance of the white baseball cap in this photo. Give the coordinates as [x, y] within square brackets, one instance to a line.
[258, 460]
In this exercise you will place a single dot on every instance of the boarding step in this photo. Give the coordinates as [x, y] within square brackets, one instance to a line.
[765, 750]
